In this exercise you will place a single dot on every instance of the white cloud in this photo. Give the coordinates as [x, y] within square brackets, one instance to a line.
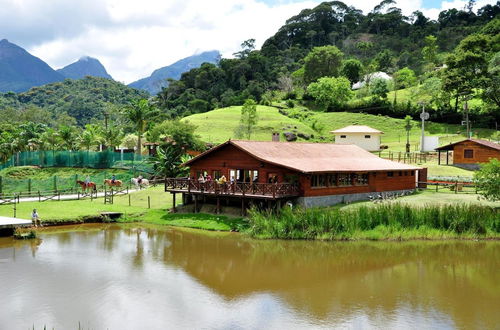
[132, 38]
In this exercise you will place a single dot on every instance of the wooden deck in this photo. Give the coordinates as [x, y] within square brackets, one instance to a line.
[6, 222]
[238, 189]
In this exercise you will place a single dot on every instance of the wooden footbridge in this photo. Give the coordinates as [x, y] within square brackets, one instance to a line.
[6, 222]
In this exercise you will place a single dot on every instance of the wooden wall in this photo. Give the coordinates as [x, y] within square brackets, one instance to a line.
[377, 182]
[482, 154]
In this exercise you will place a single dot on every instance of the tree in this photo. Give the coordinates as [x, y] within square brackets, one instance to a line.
[248, 119]
[408, 126]
[182, 132]
[491, 93]
[352, 70]
[112, 137]
[487, 180]
[383, 60]
[430, 50]
[379, 88]
[323, 61]
[168, 161]
[69, 137]
[140, 113]
[331, 92]
[89, 137]
[403, 78]
[50, 138]
[247, 47]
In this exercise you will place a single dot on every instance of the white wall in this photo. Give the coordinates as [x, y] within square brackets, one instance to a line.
[371, 144]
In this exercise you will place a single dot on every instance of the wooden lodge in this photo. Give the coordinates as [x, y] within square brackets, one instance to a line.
[470, 153]
[309, 174]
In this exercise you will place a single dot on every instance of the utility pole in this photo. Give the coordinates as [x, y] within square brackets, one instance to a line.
[466, 110]
[424, 116]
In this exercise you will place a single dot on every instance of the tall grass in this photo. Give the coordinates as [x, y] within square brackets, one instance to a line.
[382, 221]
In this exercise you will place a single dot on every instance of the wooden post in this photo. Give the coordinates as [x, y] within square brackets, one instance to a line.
[39, 196]
[55, 182]
[447, 156]
[1, 185]
[149, 202]
[439, 157]
[173, 203]
[195, 203]
[217, 210]
[128, 200]
[456, 187]
[29, 186]
[242, 207]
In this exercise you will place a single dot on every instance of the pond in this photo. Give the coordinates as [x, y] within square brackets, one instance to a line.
[115, 277]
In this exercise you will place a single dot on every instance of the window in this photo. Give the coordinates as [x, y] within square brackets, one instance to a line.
[367, 136]
[345, 179]
[216, 174]
[342, 136]
[361, 179]
[318, 181]
[468, 153]
[331, 180]
[390, 174]
[400, 173]
[412, 173]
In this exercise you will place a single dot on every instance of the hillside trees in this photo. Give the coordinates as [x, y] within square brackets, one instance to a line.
[352, 69]
[140, 113]
[248, 119]
[323, 61]
[330, 92]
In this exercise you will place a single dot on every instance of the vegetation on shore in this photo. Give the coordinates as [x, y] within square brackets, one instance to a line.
[382, 221]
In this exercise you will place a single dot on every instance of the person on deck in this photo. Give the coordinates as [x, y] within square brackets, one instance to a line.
[222, 179]
[35, 218]
[201, 179]
[209, 178]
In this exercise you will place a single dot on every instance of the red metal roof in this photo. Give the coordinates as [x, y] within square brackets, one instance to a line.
[485, 143]
[313, 157]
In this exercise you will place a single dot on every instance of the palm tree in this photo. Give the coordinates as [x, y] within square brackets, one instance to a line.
[112, 137]
[68, 137]
[89, 137]
[50, 139]
[140, 113]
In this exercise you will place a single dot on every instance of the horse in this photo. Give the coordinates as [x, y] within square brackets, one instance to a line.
[135, 182]
[109, 182]
[84, 185]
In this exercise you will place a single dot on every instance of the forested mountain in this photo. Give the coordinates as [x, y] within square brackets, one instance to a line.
[85, 66]
[19, 70]
[158, 79]
[83, 99]
[334, 40]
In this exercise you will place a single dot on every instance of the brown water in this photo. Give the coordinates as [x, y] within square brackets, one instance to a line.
[109, 277]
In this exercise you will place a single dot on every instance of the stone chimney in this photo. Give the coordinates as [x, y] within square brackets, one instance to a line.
[276, 137]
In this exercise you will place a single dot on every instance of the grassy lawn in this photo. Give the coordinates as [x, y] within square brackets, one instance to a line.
[430, 197]
[219, 125]
[190, 220]
[76, 209]
[433, 169]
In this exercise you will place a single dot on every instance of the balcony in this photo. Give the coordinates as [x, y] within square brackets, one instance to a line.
[238, 189]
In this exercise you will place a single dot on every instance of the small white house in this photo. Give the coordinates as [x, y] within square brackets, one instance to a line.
[363, 136]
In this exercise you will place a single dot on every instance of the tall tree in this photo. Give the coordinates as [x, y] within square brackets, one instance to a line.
[140, 113]
[323, 61]
[248, 119]
[331, 92]
[352, 69]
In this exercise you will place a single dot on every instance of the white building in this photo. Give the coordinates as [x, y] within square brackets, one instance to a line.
[370, 77]
[363, 136]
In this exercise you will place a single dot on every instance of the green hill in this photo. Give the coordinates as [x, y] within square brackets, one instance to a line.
[219, 125]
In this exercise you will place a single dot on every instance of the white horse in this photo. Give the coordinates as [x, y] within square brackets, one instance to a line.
[135, 182]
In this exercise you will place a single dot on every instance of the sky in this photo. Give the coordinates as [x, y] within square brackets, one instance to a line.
[132, 38]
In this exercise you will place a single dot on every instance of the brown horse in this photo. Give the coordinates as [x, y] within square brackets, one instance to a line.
[109, 182]
[84, 185]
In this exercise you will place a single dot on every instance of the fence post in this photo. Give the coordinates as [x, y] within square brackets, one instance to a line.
[55, 182]
[1, 185]
[29, 186]
[456, 187]
[128, 200]
[149, 202]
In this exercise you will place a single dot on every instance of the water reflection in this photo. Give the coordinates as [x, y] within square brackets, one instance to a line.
[148, 278]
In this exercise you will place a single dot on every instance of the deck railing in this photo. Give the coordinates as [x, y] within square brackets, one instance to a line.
[274, 190]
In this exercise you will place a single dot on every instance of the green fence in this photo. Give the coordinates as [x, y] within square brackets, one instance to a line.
[92, 159]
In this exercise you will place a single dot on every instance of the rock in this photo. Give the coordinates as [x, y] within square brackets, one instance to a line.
[304, 136]
[290, 137]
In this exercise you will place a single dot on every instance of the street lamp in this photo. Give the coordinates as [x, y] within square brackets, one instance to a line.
[424, 116]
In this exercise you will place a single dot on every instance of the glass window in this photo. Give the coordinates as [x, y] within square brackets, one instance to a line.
[390, 174]
[345, 179]
[216, 174]
[367, 136]
[331, 180]
[342, 136]
[468, 153]
[361, 179]
[318, 180]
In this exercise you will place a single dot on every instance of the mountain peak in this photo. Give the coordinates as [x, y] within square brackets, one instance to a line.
[19, 70]
[85, 66]
[158, 79]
